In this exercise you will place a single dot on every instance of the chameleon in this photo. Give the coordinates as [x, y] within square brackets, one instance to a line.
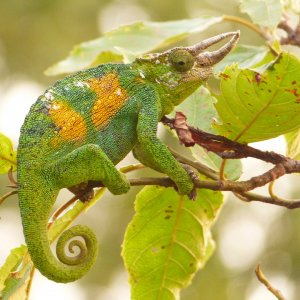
[86, 123]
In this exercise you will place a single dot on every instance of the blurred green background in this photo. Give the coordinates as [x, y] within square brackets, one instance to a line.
[35, 35]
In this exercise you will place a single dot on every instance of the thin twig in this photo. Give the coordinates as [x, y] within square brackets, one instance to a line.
[29, 285]
[292, 35]
[11, 177]
[61, 209]
[261, 277]
[203, 169]
[5, 196]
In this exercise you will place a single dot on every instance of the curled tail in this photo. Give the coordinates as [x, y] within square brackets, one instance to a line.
[36, 199]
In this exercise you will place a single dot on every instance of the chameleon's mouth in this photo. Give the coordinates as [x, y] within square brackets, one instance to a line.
[211, 58]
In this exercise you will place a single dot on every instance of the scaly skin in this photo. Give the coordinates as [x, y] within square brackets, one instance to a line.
[82, 126]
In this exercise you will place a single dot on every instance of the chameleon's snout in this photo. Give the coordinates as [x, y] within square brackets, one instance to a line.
[211, 58]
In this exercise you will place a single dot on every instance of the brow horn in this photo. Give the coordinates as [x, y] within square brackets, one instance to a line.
[214, 57]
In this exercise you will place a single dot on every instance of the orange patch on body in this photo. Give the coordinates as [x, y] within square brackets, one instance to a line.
[110, 97]
[70, 124]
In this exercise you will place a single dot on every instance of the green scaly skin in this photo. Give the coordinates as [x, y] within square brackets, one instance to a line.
[51, 157]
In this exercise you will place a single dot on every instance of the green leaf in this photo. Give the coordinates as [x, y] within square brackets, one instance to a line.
[199, 110]
[11, 262]
[137, 38]
[246, 56]
[266, 13]
[293, 144]
[233, 167]
[168, 240]
[7, 155]
[201, 113]
[13, 278]
[255, 107]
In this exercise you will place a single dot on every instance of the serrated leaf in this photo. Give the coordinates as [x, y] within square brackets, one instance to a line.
[293, 144]
[7, 155]
[263, 12]
[255, 107]
[201, 113]
[168, 240]
[137, 38]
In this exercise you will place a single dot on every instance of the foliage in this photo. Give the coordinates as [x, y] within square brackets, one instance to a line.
[169, 238]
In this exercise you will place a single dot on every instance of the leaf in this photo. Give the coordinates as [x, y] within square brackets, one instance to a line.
[10, 264]
[293, 5]
[168, 240]
[263, 12]
[201, 113]
[13, 278]
[246, 56]
[255, 107]
[7, 155]
[293, 144]
[199, 110]
[137, 38]
[233, 168]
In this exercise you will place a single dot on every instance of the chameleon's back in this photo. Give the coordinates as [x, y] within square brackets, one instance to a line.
[76, 110]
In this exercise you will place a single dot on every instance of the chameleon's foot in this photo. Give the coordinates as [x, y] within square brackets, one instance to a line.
[188, 188]
[120, 185]
[83, 191]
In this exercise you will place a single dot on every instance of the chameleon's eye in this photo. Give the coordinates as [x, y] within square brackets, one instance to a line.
[182, 60]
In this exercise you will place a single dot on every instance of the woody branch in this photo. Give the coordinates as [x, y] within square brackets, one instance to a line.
[226, 149]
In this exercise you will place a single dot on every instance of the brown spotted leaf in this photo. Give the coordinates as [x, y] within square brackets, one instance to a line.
[168, 240]
[255, 107]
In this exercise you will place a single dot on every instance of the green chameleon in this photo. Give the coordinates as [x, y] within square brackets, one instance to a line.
[83, 125]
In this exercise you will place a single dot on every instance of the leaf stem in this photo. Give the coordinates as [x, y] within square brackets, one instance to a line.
[8, 160]
[28, 289]
[248, 24]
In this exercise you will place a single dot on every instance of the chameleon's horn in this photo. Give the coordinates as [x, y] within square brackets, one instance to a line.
[196, 49]
[214, 57]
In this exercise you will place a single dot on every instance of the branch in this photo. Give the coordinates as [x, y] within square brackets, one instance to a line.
[292, 35]
[261, 277]
[218, 144]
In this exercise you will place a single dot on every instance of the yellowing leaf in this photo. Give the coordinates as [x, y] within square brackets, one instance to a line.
[7, 155]
[168, 240]
[293, 144]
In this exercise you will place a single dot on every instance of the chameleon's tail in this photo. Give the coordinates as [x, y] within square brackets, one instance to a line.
[36, 200]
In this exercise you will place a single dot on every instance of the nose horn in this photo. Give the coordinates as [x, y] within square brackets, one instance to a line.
[214, 57]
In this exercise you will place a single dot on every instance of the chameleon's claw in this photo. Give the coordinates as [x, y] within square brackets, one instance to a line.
[83, 191]
[194, 176]
[193, 194]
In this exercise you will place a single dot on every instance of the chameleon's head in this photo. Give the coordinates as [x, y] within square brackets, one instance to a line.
[182, 69]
